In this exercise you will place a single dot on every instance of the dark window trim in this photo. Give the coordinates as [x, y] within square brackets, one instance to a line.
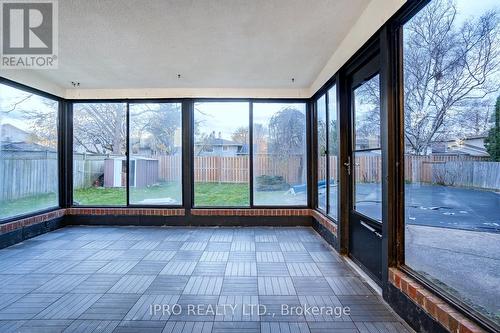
[126, 104]
[60, 148]
[325, 92]
[305, 103]
[183, 133]
[250, 154]
[317, 152]
[251, 102]
[127, 153]
[395, 25]
[250, 157]
[332, 218]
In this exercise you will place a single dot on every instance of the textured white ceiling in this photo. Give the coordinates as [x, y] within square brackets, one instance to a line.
[133, 44]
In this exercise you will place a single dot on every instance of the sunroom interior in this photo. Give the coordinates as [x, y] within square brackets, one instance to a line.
[252, 166]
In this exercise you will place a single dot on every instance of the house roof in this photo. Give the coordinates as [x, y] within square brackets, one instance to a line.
[467, 150]
[218, 142]
[25, 147]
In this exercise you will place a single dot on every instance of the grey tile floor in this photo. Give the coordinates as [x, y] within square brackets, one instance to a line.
[146, 279]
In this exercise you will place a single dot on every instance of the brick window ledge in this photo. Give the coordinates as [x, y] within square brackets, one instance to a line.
[436, 307]
[324, 221]
[18, 224]
[126, 211]
[251, 212]
[32, 220]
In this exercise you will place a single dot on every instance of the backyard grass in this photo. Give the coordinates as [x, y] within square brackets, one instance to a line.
[99, 196]
[221, 194]
[206, 194]
[27, 205]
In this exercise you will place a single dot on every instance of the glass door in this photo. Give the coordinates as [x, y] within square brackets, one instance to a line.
[365, 169]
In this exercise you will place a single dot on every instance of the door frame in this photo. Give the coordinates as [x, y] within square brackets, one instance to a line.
[362, 57]
[367, 251]
[384, 43]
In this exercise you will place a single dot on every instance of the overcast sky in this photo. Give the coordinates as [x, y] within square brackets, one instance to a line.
[226, 117]
[468, 8]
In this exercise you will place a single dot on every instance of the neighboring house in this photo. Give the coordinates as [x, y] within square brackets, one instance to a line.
[472, 146]
[216, 146]
[148, 146]
[16, 140]
[24, 147]
[10, 133]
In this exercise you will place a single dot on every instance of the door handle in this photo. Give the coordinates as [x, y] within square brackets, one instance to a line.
[348, 165]
[372, 229]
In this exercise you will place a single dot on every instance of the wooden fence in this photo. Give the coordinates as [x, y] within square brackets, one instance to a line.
[236, 169]
[24, 174]
[425, 169]
[30, 173]
[169, 167]
[87, 169]
[233, 169]
[484, 175]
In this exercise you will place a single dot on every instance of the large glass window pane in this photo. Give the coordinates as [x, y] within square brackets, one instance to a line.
[366, 150]
[155, 162]
[221, 149]
[333, 151]
[321, 153]
[452, 144]
[280, 158]
[99, 160]
[367, 115]
[28, 152]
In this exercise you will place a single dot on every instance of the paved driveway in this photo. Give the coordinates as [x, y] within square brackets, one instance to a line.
[439, 206]
[452, 207]
[464, 262]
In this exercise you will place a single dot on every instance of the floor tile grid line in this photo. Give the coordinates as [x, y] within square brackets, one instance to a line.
[225, 264]
[381, 301]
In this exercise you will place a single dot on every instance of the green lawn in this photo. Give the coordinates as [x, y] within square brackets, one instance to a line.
[206, 194]
[99, 196]
[221, 194]
[27, 205]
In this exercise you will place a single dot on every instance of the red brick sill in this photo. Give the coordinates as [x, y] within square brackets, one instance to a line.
[324, 221]
[25, 222]
[436, 307]
[251, 212]
[284, 212]
[127, 211]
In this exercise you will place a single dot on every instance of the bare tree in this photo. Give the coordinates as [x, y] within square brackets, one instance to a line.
[160, 125]
[287, 135]
[240, 135]
[367, 120]
[445, 66]
[287, 132]
[100, 128]
[474, 118]
[41, 120]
